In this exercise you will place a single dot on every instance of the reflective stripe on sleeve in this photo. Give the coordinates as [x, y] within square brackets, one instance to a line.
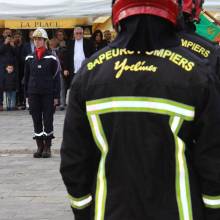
[211, 201]
[80, 203]
[50, 56]
[27, 57]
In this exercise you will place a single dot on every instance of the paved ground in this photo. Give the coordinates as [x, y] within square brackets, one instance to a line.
[16, 130]
[30, 189]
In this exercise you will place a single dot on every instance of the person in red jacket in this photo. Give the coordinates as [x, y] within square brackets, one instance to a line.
[141, 134]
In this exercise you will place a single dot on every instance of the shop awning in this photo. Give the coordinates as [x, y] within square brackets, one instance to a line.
[47, 24]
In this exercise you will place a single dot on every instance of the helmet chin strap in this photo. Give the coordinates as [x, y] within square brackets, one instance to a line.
[145, 33]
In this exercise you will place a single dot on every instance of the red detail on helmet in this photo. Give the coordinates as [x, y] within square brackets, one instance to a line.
[188, 6]
[167, 9]
[193, 8]
[198, 9]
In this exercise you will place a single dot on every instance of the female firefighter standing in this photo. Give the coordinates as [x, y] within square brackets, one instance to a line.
[42, 88]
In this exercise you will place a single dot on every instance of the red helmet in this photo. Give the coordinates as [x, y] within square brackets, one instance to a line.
[198, 9]
[188, 6]
[168, 9]
[193, 8]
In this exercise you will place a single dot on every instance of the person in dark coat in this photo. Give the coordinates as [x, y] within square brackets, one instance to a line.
[64, 81]
[11, 85]
[18, 42]
[98, 41]
[108, 36]
[78, 50]
[42, 89]
[29, 46]
[7, 55]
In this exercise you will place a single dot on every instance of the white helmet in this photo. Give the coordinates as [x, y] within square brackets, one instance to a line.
[40, 32]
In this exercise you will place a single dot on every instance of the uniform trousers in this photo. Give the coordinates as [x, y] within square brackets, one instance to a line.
[42, 110]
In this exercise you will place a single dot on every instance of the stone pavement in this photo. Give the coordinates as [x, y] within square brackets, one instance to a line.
[16, 132]
[30, 189]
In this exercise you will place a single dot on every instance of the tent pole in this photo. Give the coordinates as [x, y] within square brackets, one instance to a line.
[211, 17]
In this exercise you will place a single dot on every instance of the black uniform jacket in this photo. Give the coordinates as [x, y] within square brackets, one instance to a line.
[7, 56]
[141, 137]
[42, 76]
[203, 48]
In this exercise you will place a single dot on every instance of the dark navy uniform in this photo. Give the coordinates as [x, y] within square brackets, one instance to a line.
[202, 48]
[141, 137]
[42, 86]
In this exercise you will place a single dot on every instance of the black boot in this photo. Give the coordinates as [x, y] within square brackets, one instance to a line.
[46, 151]
[40, 147]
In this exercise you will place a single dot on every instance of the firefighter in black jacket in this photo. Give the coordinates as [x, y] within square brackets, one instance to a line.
[200, 46]
[42, 87]
[137, 143]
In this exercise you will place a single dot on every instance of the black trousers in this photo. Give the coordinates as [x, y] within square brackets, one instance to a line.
[20, 96]
[42, 111]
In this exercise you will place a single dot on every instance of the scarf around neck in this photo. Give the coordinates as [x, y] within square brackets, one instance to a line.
[40, 52]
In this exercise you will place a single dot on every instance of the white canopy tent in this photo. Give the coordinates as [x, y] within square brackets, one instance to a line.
[212, 5]
[22, 9]
[28, 9]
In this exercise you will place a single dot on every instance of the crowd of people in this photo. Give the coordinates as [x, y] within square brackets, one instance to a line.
[14, 49]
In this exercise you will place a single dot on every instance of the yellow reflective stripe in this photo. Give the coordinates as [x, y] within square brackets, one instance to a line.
[101, 188]
[133, 104]
[175, 123]
[137, 104]
[211, 201]
[80, 203]
[182, 178]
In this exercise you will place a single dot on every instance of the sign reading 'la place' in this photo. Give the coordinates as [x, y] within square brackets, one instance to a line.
[47, 24]
[43, 24]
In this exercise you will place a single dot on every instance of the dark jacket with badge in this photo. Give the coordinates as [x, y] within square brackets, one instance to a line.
[137, 142]
[42, 76]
